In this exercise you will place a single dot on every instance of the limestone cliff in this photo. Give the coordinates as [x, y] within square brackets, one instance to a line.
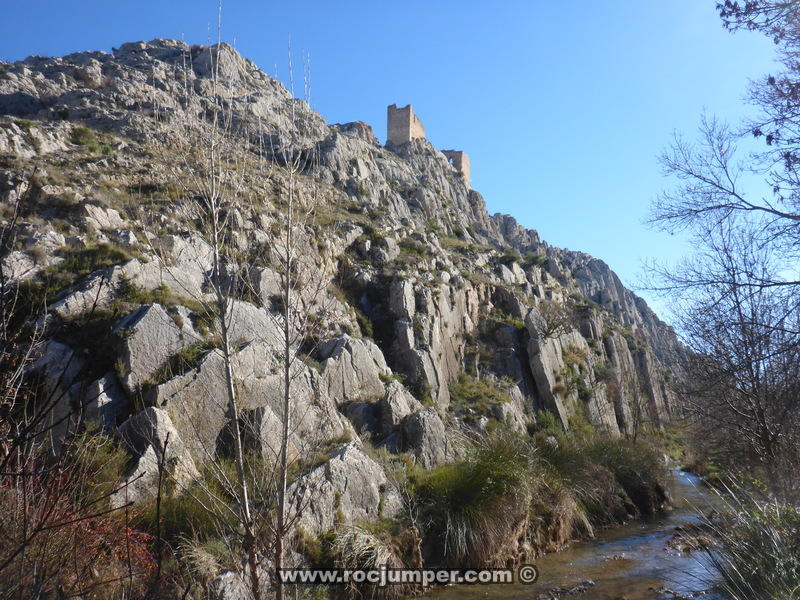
[428, 288]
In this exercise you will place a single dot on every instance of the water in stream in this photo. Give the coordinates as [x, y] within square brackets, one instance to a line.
[632, 562]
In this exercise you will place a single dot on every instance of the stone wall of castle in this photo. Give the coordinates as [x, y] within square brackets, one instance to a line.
[403, 125]
[460, 160]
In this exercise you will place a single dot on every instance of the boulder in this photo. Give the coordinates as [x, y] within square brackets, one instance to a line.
[546, 360]
[47, 241]
[149, 337]
[126, 237]
[152, 439]
[352, 369]
[247, 322]
[196, 403]
[190, 250]
[396, 405]
[104, 401]
[101, 287]
[350, 485]
[363, 416]
[512, 413]
[58, 367]
[18, 265]
[13, 186]
[267, 284]
[425, 435]
[385, 250]
[401, 299]
[97, 218]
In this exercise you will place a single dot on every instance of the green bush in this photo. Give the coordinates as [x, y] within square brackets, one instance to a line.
[473, 507]
[552, 491]
[78, 263]
[82, 136]
[184, 361]
[637, 465]
[480, 395]
[604, 372]
[509, 257]
[24, 124]
[548, 423]
[506, 319]
[100, 461]
[413, 248]
[533, 259]
[758, 554]
[206, 509]
[432, 226]
[365, 324]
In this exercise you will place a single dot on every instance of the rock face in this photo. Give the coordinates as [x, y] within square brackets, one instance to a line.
[104, 401]
[350, 486]
[148, 339]
[425, 435]
[155, 443]
[421, 287]
[57, 366]
[352, 369]
[396, 405]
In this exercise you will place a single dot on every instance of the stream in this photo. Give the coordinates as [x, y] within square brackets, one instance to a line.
[630, 562]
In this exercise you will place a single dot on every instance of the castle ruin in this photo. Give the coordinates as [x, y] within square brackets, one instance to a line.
[460, 161]
[402, 126]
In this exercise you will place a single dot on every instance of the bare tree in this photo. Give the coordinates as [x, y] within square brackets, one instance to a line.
[557, 318]
[58, 534]
[743, 378]
[207, 156]
[304, 276]
[227, 170]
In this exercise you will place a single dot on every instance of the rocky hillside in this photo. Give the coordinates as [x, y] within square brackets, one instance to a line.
[447, 321]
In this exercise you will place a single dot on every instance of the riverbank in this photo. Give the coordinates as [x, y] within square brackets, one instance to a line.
[632, 561]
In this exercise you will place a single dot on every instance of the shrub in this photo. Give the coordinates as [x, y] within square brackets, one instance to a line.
[555, 516]
[82, 136]
[510, 256]
[75, 544]
[475, 510]
[422, 392]
[547, 423]
[533, 259]
[432, 226]
[574, 356]
[479, 395]
[757, 555]
[637, 466]
[184, 361]
[24, 124]
[604, 372]
[82, 262]
[506, 319]
[413, 248]
[201, 512]
[365, 325]
[364, 548]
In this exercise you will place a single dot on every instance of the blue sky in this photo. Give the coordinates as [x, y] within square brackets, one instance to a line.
[563, 107]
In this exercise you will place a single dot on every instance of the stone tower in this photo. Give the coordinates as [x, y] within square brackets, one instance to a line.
[459, 160]
[402, 125]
